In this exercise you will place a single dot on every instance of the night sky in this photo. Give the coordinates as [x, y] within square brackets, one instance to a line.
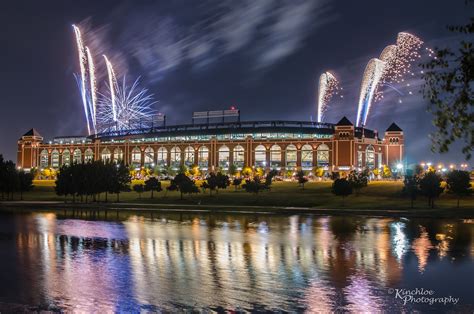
[262, 56]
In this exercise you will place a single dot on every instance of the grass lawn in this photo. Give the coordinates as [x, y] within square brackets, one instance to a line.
[378, 195]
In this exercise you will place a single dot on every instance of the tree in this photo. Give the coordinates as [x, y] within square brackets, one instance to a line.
[153, 185]
[459, 183]
[194, 170]
[247, 172]
[121, 180]
[341, 187]
[386, 172]
[183, 184]
[301, 178]
[358, 179]
[269, 178]
[254, 186]
[232, 170]
[25, 182]
[318, 172]
[411, 188]
[430, 186]
[449, 78]
[139, 188]
[236, 182]
[376, 172]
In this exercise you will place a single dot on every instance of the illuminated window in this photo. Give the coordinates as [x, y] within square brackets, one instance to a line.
[370, 157]
[224, 157]
[189, 156]
[260, 156]
[77, 156]
[66, 157]
[106, 155]
[322, 155]
[136, 157]
[203, 154]
[275, 156]
[55, 159]
[162, 157]
[118, 155]
[291, 157]
[88, 155]
[360, 159]
[239, 156]
[175, 157]
[44, 159]
[307, 157]
[149, 157]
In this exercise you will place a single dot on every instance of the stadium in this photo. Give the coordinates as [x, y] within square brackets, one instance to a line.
[216, 145]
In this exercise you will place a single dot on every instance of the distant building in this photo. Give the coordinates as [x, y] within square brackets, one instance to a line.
[282, 145]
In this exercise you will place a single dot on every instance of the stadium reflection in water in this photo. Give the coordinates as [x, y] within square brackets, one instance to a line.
[248, 262]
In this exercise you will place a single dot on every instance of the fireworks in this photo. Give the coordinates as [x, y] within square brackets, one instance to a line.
[328, 86]
[120, 107]
[399, 59]
[93, 88]
[82, 66]
[132, 104]
[112, 84]
[372, 76]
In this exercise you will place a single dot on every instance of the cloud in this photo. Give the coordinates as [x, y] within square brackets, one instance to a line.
[264, 31]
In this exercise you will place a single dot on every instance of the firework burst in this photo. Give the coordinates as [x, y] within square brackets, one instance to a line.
[328, 86]
[132, 105]
[81, 79]
[372, 76]
[93, 89]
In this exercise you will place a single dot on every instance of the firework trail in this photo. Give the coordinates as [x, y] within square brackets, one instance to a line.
[131, 104]
[372, 76]
[93, 88]
[82, 65]
[112, 87]
[328, 86]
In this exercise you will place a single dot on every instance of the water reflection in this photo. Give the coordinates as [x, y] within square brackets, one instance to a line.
[225, 261]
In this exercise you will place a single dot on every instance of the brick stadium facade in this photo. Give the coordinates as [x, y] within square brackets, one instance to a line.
[283, 145]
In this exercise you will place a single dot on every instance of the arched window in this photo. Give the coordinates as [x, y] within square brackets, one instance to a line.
[370, 157]
[322, 155]
[88, 155]
[55, 159]
[44, 159]
[239, 157]
[189, 156]
[118, 155]
[275, 156]
[77, 156]
[136, 157]
[260, 156]
[162, 158]
[106, 155]
[291, 156]
[224, 157]
[149, 157]
[66, 157]
[175, 157]
[203, 157]
[307, 156]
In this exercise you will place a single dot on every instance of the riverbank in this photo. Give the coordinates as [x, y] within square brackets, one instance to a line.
[379, 199]
[104, 210]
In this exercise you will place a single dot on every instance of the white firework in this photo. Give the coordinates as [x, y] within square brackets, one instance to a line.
[328, 86]
[372, 76]
[124, 107]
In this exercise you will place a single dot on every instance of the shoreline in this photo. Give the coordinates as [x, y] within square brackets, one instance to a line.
[458, 213]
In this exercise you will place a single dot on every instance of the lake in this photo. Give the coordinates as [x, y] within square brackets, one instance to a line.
[169, 262]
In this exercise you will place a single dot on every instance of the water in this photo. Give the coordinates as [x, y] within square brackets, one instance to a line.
[232, 262]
